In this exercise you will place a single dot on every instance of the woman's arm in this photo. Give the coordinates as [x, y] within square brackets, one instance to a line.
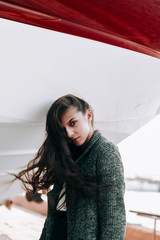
[112, 218]
[47, 231]
[48, 225]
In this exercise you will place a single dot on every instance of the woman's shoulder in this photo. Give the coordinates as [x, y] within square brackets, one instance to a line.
[108, 155]
[103, 144]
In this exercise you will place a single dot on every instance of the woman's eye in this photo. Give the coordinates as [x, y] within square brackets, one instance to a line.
[73, 123]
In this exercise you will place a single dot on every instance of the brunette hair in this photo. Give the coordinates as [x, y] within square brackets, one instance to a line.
[53, 164]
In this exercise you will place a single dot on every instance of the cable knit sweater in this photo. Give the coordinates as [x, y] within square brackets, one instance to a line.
[98, 221]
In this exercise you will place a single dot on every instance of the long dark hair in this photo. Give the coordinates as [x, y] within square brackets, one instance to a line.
[54, 164]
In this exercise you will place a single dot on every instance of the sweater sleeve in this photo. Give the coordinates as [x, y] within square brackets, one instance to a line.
[112, 219]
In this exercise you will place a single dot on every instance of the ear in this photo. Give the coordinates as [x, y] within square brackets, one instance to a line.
[89, 115]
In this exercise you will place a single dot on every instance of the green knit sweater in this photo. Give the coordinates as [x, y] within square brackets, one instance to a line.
[98, 221]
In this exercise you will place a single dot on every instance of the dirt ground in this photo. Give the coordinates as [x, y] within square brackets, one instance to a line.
[137, 232]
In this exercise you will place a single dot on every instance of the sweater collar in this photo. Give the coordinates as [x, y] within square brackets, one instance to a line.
[96, 135]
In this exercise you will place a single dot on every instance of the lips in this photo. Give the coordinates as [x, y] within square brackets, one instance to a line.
[75, 139]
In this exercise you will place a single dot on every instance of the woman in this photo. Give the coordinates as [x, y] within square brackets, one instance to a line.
[86, 172]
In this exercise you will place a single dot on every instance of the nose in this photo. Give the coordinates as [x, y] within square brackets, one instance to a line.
[69, 132]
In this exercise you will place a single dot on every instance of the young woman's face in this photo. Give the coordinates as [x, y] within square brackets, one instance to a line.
[77, 125]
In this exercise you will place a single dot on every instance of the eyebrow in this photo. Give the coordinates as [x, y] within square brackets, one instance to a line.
[71, 119]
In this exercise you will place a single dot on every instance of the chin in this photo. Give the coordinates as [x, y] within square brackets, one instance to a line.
[78, 144]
